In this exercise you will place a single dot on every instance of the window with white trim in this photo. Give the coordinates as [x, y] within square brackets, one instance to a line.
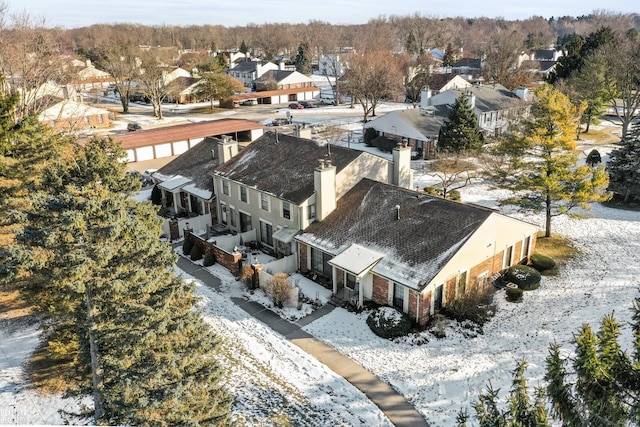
[264, 202]
[286, 210]
[225, 187]
[243, 194]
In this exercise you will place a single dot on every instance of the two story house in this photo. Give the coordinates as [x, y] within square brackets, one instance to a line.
[275, 185]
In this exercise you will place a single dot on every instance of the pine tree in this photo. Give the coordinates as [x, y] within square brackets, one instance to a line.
[243, 49]
[104, 280]
[542, 161]
[461, 131]
[624, 166]
[303, 61]
[602, 389]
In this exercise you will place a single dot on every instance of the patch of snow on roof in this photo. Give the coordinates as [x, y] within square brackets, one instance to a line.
[175, 183]
[198, 192]
[244, 158]
[356, 259]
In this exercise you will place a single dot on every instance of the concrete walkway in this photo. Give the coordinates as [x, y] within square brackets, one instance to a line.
[395, 406]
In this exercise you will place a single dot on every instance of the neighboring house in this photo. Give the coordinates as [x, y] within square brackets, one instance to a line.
[283, 79]
[441, 82]
[331, 65]
[72, 116]
[280, 184]
[174, 74]
[89, 77]
[249, 71]
[280, 96]
[538, 68]
[182, 90]
[544, 55]
[418, 127]
[416, 252]
[470, 66]
[494, 105]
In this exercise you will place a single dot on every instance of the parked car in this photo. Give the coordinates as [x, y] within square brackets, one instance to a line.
[306, 104]
[279, 122]
[296, 106]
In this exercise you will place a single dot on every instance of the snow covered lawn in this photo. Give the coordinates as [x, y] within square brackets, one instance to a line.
[446, 375]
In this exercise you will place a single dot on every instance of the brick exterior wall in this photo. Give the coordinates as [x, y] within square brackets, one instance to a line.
[380, 291]
[425, 307]
[303, 257]
[413, 304]
[230, 261]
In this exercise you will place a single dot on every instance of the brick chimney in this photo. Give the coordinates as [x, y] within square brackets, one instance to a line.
[324, 184]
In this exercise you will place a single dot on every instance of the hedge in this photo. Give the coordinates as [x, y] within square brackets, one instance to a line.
[527, 278]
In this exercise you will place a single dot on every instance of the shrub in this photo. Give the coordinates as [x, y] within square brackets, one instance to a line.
[432, 191]
[513, 294]
[593, 158]
[187, 246]
[369, 135]
[474, 306]
[156, 195]
[279, 288]
[454, 195]
[246, 276]
[542, 262]
[384, 144]
[527, 278]
[196, 253]
[209, 259]
[387, 322]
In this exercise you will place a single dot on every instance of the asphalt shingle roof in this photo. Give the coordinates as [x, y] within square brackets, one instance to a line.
[423, 234]
[283, 165]
[196, 163]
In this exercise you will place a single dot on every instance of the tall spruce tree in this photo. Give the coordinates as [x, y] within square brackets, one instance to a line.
[624, 166]
[599, 386]
[105, 281]
[542, 169]
[460, 132]
[303, 60]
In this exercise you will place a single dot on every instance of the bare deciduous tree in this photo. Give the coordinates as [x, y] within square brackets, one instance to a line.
[372, 77]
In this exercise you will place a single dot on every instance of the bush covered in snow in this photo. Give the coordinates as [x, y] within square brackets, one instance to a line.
[542, 262]
[527, 278]
[513, 293]
[387, 322]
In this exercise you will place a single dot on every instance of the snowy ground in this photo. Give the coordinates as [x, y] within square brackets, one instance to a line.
[276, 381]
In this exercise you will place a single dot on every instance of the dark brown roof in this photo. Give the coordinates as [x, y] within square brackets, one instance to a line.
[196, 163]
[143, 138]
[428, 233]
[437, 81]
[283, 165]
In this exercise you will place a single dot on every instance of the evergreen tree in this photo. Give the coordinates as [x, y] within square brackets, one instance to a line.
[542, 168]
[522, 410]
[303, 60]
[624, 166]
[602, 389]
[460, 132]
[243, 49]
[450, 56]
[104, 280]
